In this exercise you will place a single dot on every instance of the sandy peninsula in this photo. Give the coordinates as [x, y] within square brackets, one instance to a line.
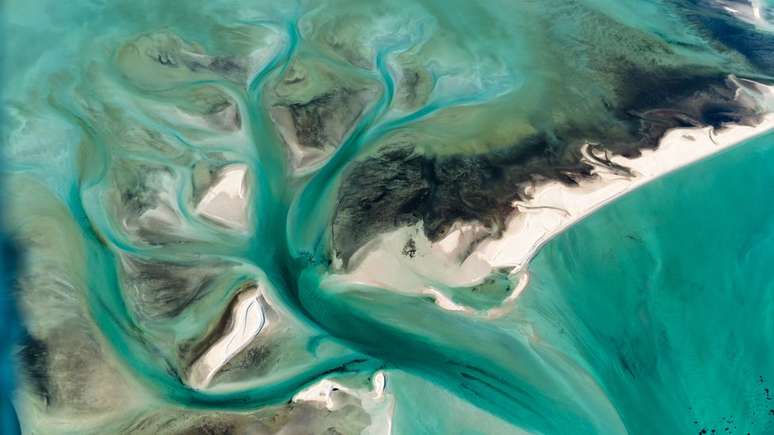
[405, 261]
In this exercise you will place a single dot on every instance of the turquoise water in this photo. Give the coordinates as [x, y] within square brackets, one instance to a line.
[350, 119]
[662, 297]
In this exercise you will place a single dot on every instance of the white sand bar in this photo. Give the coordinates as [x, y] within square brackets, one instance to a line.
[247, 321]
[226, 201]
[376, 401]
[468, 254]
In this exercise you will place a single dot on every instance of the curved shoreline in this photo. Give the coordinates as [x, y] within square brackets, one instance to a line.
[552, 208]
[650, 161]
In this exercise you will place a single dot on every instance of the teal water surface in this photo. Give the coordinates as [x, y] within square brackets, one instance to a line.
[653, 315]
[666, 295]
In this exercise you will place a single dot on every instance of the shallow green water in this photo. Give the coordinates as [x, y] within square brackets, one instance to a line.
[648, 317]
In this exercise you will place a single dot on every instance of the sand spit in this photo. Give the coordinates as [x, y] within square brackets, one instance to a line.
[405, 261]
[247, 321]
[333, 395]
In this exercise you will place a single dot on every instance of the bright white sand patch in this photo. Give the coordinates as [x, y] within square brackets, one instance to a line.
[554, 207]
[376, 402]
[467, 255]
[247, 321]
[225, 202]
